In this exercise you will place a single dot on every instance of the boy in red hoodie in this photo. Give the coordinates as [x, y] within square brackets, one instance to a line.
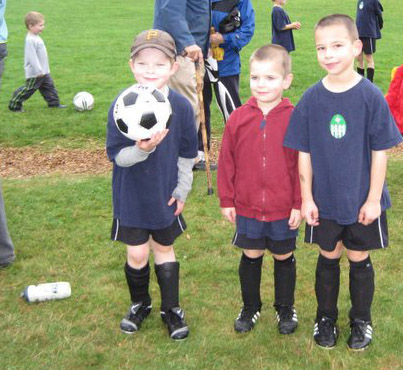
[258, 187]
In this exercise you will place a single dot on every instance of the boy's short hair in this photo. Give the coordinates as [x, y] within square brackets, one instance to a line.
[157, 39]
[33, 18]
[342, 19]
[273, 52]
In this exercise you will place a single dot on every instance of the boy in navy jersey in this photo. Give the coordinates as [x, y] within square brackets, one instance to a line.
[281, 26]
[369, 23]
[151, 180]
[342, 127]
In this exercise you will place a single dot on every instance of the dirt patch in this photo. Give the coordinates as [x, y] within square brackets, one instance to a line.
[31, 161]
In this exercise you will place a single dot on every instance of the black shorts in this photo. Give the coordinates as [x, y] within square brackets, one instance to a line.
[136, 236]
[263, 243]
[368, 45]
[355, 237]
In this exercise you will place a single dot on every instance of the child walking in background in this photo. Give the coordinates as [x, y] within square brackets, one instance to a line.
[369, 23]
[151, 180]
[36, 65]
[259, 190]
[281, 26]
[342, 127]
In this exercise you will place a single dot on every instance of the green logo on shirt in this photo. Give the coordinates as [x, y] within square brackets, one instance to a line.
[338, 126]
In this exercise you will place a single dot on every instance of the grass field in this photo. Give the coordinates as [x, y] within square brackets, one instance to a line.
[60, 224]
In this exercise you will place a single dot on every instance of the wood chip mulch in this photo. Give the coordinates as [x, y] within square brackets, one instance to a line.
[28, 162]
[18, 163]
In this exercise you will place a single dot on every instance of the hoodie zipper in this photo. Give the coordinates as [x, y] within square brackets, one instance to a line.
[263, 125]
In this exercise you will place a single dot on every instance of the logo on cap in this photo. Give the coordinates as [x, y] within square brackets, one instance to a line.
[151, 34]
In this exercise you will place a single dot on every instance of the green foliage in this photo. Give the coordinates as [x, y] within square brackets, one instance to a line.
[60, 225]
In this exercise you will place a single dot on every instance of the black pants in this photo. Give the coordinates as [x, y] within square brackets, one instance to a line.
[45, 86]
[226, 91]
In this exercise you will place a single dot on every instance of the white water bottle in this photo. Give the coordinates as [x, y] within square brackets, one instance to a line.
[47, 292]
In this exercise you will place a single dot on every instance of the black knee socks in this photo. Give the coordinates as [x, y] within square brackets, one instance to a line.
[138, 282]
[250, 274]
[285, 274]
[362, 287]
[168, 280]
[327, 286]
[370, 74]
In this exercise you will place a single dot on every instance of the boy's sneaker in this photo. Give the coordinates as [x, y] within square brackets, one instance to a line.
[175, 322]
[135, 316]
[246, 319]
[325, 332]
[361, 335]
[287, 319]
[58, 106]
[18, 110]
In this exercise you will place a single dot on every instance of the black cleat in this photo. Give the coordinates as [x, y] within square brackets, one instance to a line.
[201, 166]
[361, 335]
[18, 110]
[58, 106]
[175, 322]
[287, 319]
[132, 321]
[325, 333]
[246, 319]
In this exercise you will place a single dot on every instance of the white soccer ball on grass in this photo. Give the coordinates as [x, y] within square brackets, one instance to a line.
[83, 101]
[141, 111]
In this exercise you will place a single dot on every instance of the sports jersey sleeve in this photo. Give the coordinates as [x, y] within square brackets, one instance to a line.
[115, 141]
[297, 135]
[383, 131]
[279, 18]
[188, 144]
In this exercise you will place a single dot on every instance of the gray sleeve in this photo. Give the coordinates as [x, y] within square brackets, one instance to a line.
[131, 155]
[31, 62]
[185, 179]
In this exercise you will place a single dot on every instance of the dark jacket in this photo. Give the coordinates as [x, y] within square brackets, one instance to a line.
[187, 21]
[236, 40]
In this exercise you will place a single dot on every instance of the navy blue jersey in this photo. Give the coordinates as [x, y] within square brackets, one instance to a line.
[369, 18]
[279, 19]
[141, 192]
[340, 130]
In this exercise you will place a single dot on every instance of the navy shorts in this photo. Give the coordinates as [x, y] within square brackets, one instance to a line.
[355, 237]
[368, 45]
[136, 236]
[275, 236]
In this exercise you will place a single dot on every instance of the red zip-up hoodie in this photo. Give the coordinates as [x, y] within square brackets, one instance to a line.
[256, 174]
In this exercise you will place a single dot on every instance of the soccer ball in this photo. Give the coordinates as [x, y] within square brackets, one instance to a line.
[140, 111]
[83, 101]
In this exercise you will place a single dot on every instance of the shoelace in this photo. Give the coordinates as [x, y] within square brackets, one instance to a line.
[139, 310]
[358, 330]
[326, 327]
[174, 317]
[247, 313]
[285, 313]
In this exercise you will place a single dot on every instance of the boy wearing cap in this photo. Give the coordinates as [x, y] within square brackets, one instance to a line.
[151, 180]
